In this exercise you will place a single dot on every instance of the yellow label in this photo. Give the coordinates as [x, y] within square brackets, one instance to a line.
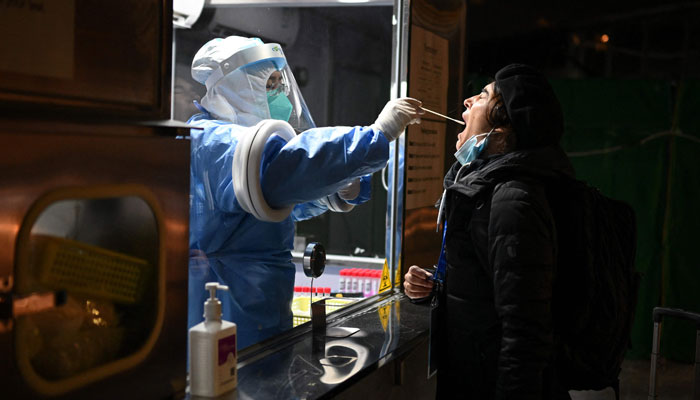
[397, 311]
[384, 312]
[397, 275]
[385, 283]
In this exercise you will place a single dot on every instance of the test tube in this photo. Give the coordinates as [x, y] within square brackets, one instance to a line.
[342, 280]
[367, 289]
[355, 279]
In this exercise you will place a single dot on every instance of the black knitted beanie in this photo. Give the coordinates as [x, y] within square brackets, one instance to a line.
[532, 106]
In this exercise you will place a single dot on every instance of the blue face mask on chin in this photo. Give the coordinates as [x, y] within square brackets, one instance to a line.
[470, 150]
[279, 105]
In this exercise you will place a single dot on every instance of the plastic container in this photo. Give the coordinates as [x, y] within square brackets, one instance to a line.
[355, 280]
[213, 355]
[92, 271]
[342, 280]
[377, 279]
[366, 282]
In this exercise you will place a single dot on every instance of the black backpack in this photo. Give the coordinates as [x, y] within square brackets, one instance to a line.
[595, 291]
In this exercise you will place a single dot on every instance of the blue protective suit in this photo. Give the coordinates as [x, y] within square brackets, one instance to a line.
[253, 257]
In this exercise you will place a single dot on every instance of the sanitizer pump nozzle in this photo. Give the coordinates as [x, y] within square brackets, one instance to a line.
[212, 307]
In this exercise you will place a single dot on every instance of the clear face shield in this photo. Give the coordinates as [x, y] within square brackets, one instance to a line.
[285, 102]
[264, 86]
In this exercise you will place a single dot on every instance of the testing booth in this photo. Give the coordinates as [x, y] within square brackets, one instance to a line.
[94, 209]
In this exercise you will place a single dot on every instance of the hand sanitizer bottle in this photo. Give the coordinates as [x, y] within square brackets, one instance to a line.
[213, 350]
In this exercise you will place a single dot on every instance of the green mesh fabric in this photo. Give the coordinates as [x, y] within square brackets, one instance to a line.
[618, 136]
[680, 265]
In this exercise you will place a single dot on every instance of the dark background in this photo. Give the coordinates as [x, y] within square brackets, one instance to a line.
[631, 103]
[657, 39]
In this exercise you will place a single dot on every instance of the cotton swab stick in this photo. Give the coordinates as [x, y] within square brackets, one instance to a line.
[443, 116]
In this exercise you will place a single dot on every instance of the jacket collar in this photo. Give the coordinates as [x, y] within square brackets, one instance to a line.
[542, 163]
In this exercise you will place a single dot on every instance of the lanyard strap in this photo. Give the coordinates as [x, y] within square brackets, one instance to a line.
[439, 275]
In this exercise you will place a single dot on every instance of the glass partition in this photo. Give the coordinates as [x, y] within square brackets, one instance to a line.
[101, 257]
[341, 59]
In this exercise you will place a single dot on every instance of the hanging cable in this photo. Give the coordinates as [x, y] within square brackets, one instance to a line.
[643, 141]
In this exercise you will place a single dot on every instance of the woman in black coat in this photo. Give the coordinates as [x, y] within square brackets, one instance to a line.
[494, 324]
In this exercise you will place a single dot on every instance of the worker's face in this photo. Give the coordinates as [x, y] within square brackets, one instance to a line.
[274, 82]
[478, 107]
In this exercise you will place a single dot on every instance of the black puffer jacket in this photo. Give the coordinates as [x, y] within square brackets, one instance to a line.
[495, 322]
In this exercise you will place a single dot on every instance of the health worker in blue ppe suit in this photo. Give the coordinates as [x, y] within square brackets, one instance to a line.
[259, 164]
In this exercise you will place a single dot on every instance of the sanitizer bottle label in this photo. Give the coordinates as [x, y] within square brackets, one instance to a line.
[227, 359]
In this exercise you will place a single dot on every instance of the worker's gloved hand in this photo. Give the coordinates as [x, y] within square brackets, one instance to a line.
[350, 191]
[396, 115]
